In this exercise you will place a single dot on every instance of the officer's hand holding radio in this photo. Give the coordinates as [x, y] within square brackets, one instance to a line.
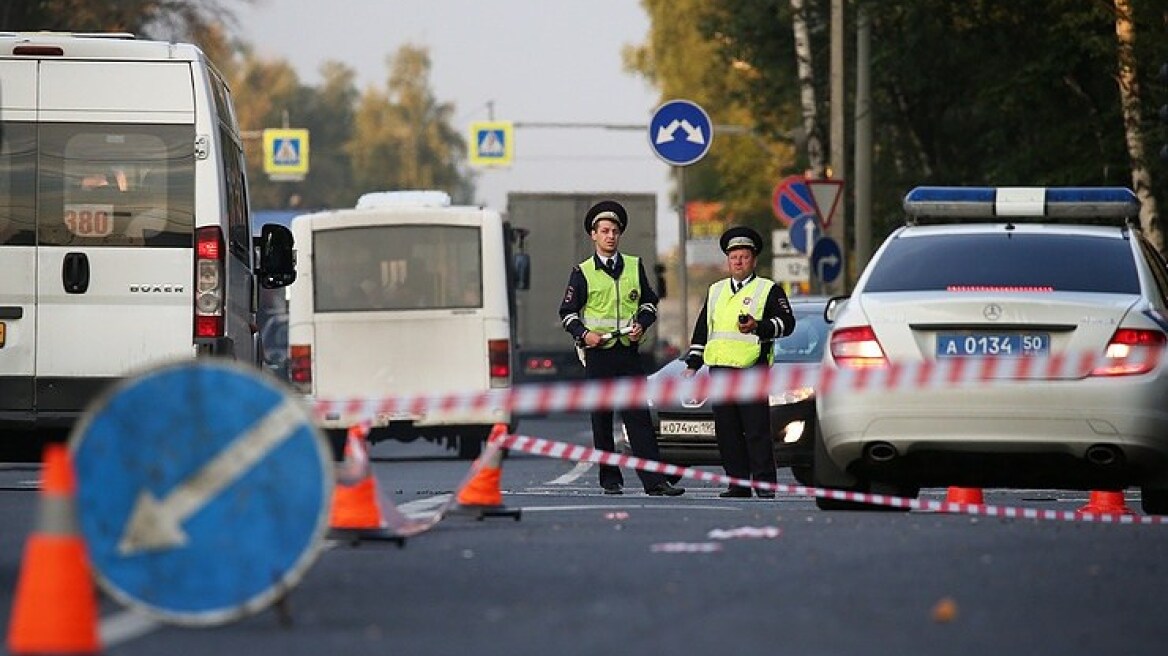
[746, 324]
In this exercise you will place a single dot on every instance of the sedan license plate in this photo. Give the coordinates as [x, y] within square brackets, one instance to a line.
[1005, 345]
[683, 427]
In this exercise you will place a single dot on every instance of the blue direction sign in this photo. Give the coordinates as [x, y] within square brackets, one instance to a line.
[827, 260]
[680, 132]
[204, 491]
[803, 233]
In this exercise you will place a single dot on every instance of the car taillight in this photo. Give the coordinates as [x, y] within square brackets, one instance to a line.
[1131, 351]
[208, 282]
[499, 360]
[300, 367]
[857, 347]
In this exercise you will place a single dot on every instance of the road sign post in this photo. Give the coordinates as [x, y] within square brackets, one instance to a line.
[681, 133]
[204, 491]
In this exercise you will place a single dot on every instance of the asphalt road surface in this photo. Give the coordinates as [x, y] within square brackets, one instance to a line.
[584, 573]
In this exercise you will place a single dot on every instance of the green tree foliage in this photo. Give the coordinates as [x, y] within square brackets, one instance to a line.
[965, 92]
[188, 20]
[402, 137]
[687, 57]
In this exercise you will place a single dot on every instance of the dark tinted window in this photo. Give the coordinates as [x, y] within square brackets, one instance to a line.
[17, 174]
[116, 185]
[1063, 263]
[399, 267]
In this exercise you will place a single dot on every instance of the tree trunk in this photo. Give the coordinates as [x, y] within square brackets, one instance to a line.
[1129, 94]
[807, 89]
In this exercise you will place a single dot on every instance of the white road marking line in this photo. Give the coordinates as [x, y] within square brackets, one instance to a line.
[572, 476]
[125, 626]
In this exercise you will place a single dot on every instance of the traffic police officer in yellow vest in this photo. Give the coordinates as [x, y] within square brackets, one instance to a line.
[607, 307]
[736, 329]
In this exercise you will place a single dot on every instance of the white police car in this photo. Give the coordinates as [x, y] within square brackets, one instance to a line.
[1013, 291]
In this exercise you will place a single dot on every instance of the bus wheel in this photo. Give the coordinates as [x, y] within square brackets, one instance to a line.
[470, 444]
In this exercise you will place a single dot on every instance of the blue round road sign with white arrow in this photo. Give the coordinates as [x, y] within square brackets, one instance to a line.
[680, 132]
[204, 491]
[827, 260]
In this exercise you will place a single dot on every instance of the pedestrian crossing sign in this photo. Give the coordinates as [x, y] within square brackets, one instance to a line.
[286, 153]
[492, 143]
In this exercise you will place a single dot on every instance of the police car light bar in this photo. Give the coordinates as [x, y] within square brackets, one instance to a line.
[1042, 202]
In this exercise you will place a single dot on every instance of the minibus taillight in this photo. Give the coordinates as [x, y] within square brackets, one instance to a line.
[209, 276]
[300, 367]
[499, 358]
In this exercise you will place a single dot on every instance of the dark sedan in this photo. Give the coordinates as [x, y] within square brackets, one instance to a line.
[685, 427]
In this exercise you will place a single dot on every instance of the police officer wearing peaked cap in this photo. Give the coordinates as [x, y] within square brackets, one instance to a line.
[607, 292]
[742, 316]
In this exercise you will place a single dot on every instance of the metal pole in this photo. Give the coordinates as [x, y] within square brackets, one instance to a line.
[863, 172]
[837, 230]
[682, 260]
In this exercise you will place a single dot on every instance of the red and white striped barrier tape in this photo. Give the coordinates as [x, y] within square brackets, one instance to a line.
[577, 453]
[725, 385]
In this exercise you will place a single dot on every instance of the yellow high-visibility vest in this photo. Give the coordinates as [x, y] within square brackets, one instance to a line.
[611, 304]
[725, 346]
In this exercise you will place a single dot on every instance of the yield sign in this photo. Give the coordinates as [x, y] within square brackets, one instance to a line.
[826, 194]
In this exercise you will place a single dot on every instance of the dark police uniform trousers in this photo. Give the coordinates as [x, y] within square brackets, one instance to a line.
[754, 460]
[618, 362]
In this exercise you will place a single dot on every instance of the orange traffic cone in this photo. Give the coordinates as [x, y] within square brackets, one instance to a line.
[480, 494]
[356, 509]
[1105, 502]
[55, 607]
[965, 496]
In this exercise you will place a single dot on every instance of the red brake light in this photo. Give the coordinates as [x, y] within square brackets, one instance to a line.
[999, 288]
[499, 357]
[1131, 351]
[857, 347]
[209, 277]
[300, 366]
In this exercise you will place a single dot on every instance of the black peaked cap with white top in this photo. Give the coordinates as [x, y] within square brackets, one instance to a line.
[606, 209]
[741, 237]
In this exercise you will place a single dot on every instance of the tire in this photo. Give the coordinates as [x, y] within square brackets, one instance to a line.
[470, 445]
[1154, 501]
[826, 474]
[804, 475]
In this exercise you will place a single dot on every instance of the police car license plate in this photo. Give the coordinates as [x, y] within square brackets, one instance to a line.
[685, 427]
[1008, 345]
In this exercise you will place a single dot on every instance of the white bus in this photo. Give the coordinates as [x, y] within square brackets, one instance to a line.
[124, 226]
[403, 294]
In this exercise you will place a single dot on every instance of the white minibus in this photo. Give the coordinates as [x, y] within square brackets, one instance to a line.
[403, 294]
[124, 229]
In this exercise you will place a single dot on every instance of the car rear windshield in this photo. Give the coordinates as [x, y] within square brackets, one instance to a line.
[1072, 263]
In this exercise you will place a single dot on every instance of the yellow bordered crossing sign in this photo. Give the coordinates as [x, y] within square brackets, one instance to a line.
[492, 143]
[286, 152]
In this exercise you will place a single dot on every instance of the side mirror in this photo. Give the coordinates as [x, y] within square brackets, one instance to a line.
[277, 256]
[834, 305]
[522, 269]
[659, 271]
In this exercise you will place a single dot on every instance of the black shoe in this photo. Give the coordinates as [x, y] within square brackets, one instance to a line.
[764, 494]
[664, 489]
[613, 488]
[736, 493]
